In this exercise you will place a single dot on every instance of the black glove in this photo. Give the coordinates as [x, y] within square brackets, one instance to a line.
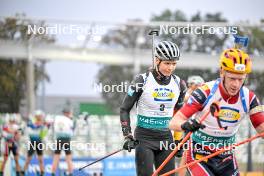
[180, 151]
[130, 143]
[192, 125]
[126, 130]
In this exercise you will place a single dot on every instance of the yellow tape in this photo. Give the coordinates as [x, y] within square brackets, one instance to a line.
[257, 109]
[199, 156]
[177, 135]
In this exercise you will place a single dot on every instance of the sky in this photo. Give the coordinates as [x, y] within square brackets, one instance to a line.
[121, 10]
[82, 76]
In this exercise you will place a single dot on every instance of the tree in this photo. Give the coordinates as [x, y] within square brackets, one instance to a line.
[217, 17]
[182, 40]
[167, 15]
[206, 42]
[256, 82]
[196, 17]
[129, 38]
[256, 40]
[209, 40]
[115, 75]
[12, 71]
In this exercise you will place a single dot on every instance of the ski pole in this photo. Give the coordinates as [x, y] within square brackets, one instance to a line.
[153, 33]
[100, 159]
[216, 107]
[185, 139]
[215, 153]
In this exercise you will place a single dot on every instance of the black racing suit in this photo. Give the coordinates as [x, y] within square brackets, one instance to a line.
[148, 152]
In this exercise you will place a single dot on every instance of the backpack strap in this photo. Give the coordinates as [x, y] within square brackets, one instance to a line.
[243, 99]
[212, 92]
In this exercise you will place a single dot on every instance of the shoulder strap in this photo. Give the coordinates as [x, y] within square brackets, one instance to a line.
[243, 99]
[212, 92]
[145, 77]
[177, 80]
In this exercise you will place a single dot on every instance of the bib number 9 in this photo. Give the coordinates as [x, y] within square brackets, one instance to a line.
[162, 107]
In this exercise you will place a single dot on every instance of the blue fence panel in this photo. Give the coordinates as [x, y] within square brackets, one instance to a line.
[124, 166]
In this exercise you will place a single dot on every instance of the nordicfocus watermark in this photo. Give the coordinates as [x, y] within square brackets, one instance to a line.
[166, 145]
[197, 30]
[66, 29]
[72, 145]
[120, 88]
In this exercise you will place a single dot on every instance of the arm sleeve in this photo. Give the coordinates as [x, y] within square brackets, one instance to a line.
[134, 92]
[195, 102]
[256, 111]
[183, 91]
[177, 135]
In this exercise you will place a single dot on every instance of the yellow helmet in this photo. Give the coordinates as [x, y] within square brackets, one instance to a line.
[235, 60]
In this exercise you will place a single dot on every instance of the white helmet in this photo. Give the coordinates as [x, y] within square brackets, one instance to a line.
[12, 117]
[167, 50]
[195, 79]
[39, 113]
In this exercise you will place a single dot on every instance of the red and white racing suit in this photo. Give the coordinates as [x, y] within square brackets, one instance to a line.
[219, 131]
